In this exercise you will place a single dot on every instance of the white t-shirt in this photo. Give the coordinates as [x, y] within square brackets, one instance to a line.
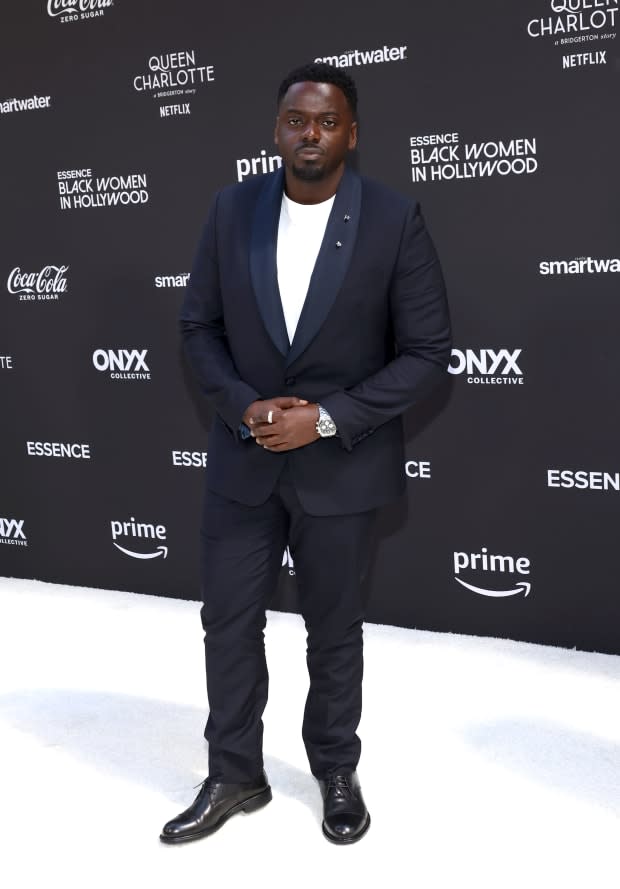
[300, 233]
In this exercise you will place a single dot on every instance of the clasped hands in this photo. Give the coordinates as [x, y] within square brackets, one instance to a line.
[293, 423]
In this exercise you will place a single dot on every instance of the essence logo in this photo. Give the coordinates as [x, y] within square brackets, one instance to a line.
[443, 157]
[71, 450]
[141, 531]
[418, 469]
[487, 364]
[47, 284]
[583, 480]
[484, 562]
[189, 458]
[122, 364]
[72, 10]
[12, 532]
[80, 189]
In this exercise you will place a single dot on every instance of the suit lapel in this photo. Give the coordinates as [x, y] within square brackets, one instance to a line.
[263, 269]
[329, 271]
[332, 263]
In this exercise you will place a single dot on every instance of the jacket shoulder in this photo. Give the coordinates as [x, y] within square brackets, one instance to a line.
[239, 193]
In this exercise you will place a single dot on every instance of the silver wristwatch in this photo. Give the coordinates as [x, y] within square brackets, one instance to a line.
[325, 426]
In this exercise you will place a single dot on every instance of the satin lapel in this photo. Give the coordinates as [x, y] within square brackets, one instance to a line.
[263, 257]
[332, 263]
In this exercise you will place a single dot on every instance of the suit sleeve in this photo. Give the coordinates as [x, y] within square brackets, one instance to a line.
[421, 326]
[204, 333]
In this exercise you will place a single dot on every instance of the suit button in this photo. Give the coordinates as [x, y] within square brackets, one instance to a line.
[290, 381]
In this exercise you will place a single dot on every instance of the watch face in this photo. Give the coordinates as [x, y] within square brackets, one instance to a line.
[326, 427]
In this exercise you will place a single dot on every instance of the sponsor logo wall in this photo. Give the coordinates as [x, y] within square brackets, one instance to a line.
[508, 524]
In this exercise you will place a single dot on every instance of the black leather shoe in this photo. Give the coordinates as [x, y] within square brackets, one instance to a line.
[345, 816]
[214, 805]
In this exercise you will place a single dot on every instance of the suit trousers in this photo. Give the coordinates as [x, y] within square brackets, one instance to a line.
[242, 550]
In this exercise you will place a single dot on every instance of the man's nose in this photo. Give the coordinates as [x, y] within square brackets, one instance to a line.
[312, 132]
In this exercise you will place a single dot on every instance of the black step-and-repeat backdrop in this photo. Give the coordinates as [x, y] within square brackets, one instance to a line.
[119, 119]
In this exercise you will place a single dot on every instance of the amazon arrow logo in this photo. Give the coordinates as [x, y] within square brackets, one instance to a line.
[160, 551]
[522, 587]
[141, 530]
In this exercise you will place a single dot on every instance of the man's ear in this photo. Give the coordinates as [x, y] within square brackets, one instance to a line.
[353, 136]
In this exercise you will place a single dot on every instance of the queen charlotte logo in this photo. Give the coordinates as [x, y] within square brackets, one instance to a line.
[571, 23]
[174, 74]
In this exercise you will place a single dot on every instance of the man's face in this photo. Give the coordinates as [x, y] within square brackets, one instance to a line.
[314, 130]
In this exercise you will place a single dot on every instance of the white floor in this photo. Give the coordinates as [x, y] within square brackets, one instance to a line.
[486, 763]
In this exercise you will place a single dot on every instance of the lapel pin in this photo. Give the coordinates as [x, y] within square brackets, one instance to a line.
[347, 217]
[338, 243]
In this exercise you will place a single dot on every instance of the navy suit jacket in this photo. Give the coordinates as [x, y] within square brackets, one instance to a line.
[372, 340]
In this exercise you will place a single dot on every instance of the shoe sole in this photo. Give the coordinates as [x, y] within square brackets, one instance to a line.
[249, 805]
[346, 841]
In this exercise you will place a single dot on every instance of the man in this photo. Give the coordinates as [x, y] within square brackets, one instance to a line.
[314, 317]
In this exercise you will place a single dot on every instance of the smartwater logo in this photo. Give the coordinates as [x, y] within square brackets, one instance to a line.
[122, 364]
[584, 265]
[34, 103]
[356, 57]
[486, 366]
[171, 280]
[484, 562]
[12, 532]
[47, 284]
[73, 10]
[143, 531]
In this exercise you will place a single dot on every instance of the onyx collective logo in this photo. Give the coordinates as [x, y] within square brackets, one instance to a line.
[12, 532]
[487, 366]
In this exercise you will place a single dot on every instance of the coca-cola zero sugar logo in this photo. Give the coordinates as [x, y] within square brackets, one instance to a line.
[46, 284]
[76, 10]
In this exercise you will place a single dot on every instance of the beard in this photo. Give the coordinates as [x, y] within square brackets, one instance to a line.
[309, 172]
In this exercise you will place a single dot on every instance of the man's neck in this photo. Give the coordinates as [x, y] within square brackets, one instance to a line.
[304, 192]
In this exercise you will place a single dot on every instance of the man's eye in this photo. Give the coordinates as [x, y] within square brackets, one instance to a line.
[294, 121]
[329, 123]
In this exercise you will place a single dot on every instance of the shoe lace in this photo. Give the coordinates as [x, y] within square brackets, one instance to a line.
[338, 782]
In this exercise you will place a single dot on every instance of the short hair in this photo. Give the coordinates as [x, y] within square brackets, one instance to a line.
[321, 72]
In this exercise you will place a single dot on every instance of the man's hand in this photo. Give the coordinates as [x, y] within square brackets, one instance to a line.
[289, 429]
[261, 408]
